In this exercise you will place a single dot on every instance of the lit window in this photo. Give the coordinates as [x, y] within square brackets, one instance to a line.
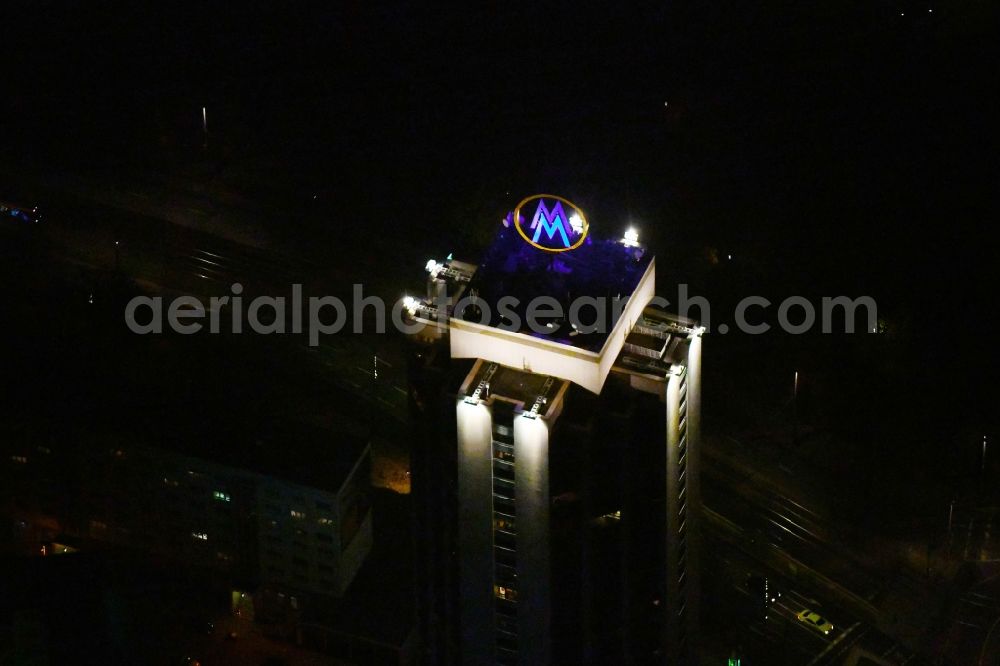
[19, 459]
[225, 557]
[170, 482]
[325, 521]
[508, 593]
[221, 496]
[504, 455]
[298, 515]
[44, 449]
[201, 536]
[502, 523]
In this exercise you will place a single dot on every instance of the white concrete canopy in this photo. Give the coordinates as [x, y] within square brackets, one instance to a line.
[519, 350]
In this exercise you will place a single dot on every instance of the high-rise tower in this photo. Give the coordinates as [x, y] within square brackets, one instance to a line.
[555, 466]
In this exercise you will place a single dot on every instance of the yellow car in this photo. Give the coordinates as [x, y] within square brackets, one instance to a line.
[815, 621]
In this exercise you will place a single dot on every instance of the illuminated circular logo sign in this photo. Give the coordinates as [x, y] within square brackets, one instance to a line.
[556, 224]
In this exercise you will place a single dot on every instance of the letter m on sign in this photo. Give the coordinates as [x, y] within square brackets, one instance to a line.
[551, 223]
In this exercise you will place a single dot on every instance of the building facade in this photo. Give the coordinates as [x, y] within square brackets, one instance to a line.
[270, 533]
[555, 475]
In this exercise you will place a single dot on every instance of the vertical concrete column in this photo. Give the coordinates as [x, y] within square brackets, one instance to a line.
[694, 485]
[534, 560]
[475, 531]
[674, 602]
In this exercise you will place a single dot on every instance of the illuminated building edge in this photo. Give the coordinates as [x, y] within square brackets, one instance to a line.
[519, 350]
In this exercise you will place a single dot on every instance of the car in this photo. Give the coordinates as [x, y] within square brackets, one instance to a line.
[815, 621]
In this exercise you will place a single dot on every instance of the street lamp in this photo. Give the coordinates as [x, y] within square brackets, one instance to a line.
[951, 516]
[376, 362]
[982, 467]
[795, 409]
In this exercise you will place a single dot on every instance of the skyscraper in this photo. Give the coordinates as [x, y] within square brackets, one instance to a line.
[555, 469]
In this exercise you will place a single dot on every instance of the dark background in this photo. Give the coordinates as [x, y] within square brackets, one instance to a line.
[831, 148]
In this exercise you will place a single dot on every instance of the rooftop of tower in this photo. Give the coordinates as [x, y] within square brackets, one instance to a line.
[608, 270]
[551, 299]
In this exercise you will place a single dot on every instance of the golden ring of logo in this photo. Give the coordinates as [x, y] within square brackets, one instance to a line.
[576, 209]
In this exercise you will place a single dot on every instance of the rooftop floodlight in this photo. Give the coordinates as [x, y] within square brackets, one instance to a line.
[631, 237]
[410, 304]
[540, 400]
[484, 385]
[576, 222]
[430, 265]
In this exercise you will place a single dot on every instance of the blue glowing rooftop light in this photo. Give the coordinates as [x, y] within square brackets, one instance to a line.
[597, 268]
[551, 222]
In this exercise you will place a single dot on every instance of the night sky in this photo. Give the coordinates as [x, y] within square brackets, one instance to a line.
[839, 148]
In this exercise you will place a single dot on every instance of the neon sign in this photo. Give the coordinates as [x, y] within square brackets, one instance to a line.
[551, 228]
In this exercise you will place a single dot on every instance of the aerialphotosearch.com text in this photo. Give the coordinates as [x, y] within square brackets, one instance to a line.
[318, 316]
